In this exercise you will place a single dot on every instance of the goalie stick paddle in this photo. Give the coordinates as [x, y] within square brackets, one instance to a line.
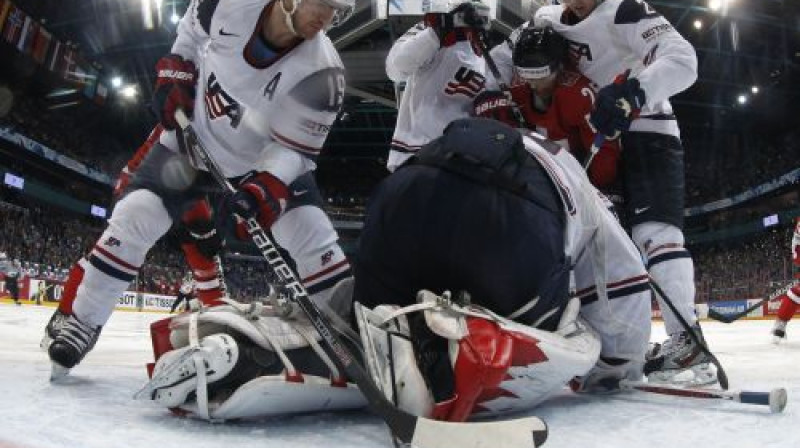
[728, 318]
[775, 399]
[527, 432]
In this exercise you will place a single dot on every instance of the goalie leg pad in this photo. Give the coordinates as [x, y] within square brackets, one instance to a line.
[390, 359]
[493, 365]
[218, 354]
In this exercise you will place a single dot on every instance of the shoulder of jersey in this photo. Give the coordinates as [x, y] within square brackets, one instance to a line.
[632, 11]
[222, 18]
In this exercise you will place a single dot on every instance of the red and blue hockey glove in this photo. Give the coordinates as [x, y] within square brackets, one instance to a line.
[175, 89]
[452, 27]
[260, 195]
[617, 105]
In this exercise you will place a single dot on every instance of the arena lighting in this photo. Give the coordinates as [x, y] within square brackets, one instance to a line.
[754, 89]
[130, 91]
[742, 99]
[116, 82]
[174, 18]
[698, 24]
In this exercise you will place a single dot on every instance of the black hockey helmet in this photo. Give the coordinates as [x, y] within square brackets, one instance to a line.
[539, 52]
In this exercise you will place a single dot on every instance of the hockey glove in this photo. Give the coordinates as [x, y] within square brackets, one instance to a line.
[198, 228]
[495, 105]
[454, 26]
[617, 105]
[606, 375]
[175, 89]
[260, 195]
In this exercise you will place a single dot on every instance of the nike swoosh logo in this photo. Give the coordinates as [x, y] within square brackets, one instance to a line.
[299, 192]
[639, 211]
[223, 33]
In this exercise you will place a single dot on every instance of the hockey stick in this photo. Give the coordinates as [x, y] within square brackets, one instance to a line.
[775, 399]
[728, 318]
[528, 432]
[722, 377]
[598, 141]
[496, 73]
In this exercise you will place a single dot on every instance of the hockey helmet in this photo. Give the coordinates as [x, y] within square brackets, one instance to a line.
[344, 10]
[539, 52]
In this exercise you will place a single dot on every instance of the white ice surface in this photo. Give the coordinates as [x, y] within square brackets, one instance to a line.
[93, 408]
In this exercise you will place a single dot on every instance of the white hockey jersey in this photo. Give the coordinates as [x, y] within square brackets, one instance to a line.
[609, 276]
[257, 115]
[440, 86]
[620, 35]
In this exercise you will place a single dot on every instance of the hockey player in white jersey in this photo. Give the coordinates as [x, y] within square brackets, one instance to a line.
[264, 84]
[510, 218]
[440, 62]
[608, 38]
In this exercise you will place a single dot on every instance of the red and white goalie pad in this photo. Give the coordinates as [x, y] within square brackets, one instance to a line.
[234, 362]
[491, 365]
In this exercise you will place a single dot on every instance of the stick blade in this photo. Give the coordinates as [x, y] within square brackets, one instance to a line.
[526, 432]
[716, 315]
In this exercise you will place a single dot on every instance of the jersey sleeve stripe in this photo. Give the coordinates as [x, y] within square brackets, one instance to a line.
[297, 146]
[399, 146]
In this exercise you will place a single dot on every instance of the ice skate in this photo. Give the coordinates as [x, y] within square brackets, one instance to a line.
[680, 361]
[779, 331]
[71, 344]
[53, 327]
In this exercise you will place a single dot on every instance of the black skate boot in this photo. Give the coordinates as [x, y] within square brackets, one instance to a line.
[53, 327]
[71, 344]
[779, 331]
[680, 360]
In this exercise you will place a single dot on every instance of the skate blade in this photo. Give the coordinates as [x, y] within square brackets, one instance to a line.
[695, 376]
[58, 372]
[777, 340]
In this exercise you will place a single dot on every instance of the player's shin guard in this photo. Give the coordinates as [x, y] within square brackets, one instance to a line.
[452, 363]
[790, 302]
[138, 221]
[65, 304]
[309, 237]
[205, 274]
[671, 267]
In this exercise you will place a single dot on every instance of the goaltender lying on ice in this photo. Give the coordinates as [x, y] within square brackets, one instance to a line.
[432, 354]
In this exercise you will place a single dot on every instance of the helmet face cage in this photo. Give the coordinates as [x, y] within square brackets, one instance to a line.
[344, 10]
[539, 53]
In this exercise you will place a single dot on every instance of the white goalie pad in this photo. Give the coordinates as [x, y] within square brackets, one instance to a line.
[541, 362]
[177, 383]
[390, 358]
[271, 396]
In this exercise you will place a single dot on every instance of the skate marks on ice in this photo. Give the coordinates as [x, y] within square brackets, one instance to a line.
[93, 408]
